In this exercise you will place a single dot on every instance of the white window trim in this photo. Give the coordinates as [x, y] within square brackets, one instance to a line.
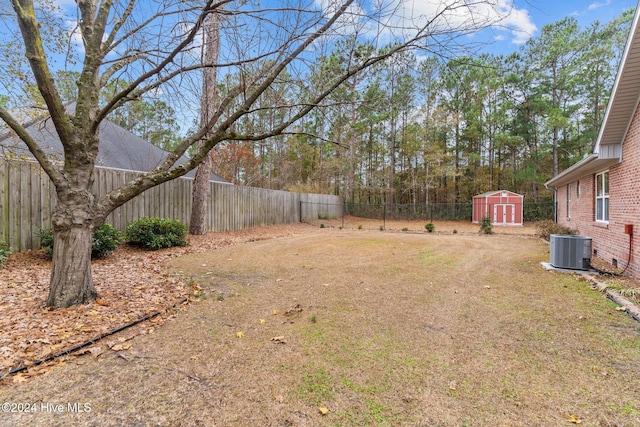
[568, 201]
[604, 197]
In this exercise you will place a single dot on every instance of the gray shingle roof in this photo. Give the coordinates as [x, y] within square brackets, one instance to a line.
[118, 149]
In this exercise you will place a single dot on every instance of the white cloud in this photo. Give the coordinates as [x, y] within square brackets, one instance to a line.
[405, 17]
[75, 35]
[597, 5]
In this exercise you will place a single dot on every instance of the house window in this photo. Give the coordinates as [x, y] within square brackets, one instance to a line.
[602, 197]
[568, 200]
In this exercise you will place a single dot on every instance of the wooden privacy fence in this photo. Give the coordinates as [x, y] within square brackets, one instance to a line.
[27, 198]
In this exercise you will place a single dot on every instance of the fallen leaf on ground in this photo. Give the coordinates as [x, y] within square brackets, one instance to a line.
[120, 347]
[621, 308]
[262, 321]
[323, 410]
[132, 283]
[95, 351]
[19, 378]
[239, 334]
[279, 340]
[296, 309]
[575, 420]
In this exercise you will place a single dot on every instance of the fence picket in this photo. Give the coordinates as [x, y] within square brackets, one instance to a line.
[27, 199]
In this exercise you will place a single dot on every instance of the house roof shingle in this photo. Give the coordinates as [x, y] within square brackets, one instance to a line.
[119, 148]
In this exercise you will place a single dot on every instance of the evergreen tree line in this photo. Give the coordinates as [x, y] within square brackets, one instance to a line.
[418, 130]
[426, 130]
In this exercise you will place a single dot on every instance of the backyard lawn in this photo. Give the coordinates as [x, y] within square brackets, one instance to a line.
[341, 326]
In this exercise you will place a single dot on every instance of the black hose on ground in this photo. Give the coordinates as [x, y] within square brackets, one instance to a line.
[89, 342]
[611, 273]
[603, 272]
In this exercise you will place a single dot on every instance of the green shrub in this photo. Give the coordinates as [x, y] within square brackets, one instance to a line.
[4, 252]
[405, 229]
[46, 240]
[321, 225]
[546, 228]
[322, 215]
[429, 227]
[485, 226]
[157, 233]
[105, 240]
[455, 231]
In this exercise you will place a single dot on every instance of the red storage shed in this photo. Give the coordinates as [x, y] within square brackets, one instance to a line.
[503, 207]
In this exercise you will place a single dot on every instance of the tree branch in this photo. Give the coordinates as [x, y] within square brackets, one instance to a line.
[33, 147]
[35, 53]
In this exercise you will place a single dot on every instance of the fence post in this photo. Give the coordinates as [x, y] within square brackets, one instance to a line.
[300, 210]
[384, 216]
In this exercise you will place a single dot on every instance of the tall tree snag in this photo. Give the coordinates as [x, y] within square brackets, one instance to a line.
[208, 101]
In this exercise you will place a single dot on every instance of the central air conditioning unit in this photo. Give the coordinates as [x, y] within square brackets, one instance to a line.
[572, 252]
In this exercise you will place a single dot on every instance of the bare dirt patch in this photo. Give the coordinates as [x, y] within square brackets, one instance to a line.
[376, 328]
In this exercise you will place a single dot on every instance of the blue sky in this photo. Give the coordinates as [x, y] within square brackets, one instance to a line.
[535, 14]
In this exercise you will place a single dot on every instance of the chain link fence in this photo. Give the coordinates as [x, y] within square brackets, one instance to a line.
[440, 211]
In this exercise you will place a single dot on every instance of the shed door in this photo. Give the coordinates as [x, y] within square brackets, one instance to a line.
[504, 214]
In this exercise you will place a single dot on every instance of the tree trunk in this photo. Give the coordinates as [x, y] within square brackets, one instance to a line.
[208, 104]
[200, 199]
[71, 280]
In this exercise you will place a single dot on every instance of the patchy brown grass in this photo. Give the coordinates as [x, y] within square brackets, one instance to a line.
[379, 328]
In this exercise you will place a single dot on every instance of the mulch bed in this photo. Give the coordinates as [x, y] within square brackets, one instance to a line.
[132, 283]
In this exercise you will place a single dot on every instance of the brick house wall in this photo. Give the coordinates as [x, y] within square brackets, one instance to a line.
[609, 241]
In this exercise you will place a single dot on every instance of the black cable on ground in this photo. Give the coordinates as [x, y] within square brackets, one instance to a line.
[611, 273]
[89, 342]
[603, 272]
[629, 258]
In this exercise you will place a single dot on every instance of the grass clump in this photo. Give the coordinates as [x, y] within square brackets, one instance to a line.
[317, 386]
[485, 226]
[106, 239]
[632, 293]
[322, 215]
[429, 227]
[157, 233]
[546, 228]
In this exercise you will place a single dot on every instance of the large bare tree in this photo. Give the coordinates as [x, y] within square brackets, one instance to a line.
[155, 45]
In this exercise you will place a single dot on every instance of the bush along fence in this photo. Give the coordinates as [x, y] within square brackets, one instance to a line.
[27, 198]
[440, 211]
